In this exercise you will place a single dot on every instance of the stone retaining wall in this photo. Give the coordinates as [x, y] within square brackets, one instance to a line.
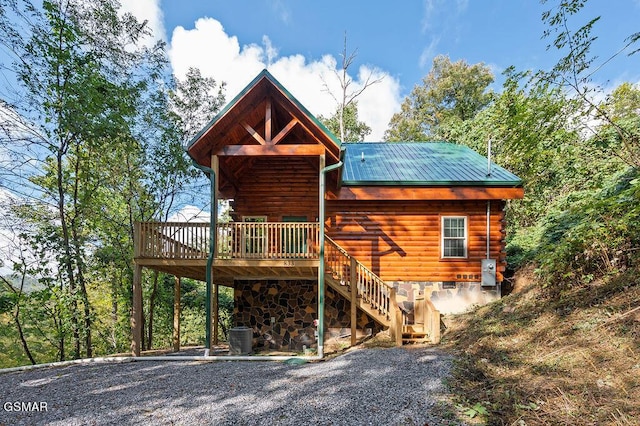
[281, 312]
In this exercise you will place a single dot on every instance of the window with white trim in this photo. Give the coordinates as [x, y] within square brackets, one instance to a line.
[454, 237]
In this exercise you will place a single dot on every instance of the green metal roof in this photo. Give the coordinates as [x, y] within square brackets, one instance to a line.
[420, 164]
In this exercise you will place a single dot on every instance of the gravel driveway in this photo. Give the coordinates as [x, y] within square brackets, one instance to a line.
[362, 387]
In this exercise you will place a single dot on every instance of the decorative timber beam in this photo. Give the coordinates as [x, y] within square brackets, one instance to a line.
[230, 179]
[272, 150]
[267, 123]
[286, 108]
[284, 132]
[253, 133]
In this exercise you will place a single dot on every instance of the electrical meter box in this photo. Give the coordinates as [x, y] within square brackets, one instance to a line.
[489, 272]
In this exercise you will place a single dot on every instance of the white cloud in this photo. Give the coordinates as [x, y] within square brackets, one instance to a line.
[219, 55]
[429, 8]
[379, 102]
[191, 214]
[216, 54]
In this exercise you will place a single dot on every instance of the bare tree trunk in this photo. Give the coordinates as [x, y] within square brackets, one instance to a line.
[114, 315]
[16, 315]
[23, 340]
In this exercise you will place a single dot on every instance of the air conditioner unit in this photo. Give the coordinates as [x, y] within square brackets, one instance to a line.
[488, 272]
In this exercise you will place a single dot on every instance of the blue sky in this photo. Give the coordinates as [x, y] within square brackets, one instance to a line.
[300, 42]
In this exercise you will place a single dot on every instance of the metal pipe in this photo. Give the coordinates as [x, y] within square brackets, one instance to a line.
[212, 245]
[488, 229]
[323, 171]
[489, 202]
[489, 158]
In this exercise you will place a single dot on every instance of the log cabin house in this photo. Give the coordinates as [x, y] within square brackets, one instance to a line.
[373, 235]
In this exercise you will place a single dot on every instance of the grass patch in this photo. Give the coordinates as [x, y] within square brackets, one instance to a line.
[536, 359]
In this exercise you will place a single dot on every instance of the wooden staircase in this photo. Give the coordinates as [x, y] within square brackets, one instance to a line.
[370, 294]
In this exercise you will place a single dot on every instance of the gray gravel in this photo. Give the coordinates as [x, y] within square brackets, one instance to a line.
[396, 386]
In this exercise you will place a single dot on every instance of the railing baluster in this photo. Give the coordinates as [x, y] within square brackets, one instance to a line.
[250, 240]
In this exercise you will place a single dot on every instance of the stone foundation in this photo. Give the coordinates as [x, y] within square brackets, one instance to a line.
[448, 297]
[281, 313]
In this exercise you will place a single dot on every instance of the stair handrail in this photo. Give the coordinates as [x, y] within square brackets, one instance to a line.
[370, 287]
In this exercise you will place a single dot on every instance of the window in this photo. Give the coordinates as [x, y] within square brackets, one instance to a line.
[454, 237]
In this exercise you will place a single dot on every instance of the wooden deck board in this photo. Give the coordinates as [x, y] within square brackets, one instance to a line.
[240, 269]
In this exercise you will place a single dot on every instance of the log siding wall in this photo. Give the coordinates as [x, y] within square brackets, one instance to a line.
[401, 240]
[278, 187]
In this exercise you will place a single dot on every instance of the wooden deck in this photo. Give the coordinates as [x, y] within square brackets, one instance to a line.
[271, 250]
[243, 250]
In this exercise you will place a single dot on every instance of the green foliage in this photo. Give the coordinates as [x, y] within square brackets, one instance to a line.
[450, 94]
[472, 412]
[573, 73]
[523, 245]
[354, 130]
[597, 235]
[95, 113]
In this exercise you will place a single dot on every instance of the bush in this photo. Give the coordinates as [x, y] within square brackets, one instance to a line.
[598, 234]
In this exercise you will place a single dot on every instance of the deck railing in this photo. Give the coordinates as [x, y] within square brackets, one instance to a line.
[235, 240]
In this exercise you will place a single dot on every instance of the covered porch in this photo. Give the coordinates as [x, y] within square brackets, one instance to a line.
[280, 253]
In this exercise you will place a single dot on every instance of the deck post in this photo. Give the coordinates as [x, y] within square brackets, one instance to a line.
[354, 299]
[136, 311]
[395, 328]
[176, 314]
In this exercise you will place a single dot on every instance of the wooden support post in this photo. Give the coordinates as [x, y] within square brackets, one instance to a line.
[353, 283]
[213, 306]
[136, 311]
[176, 314]
[267, 123]
[432, 320]
[395, 328]
[435, 327]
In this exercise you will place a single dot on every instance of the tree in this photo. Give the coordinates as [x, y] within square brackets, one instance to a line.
[15, 285]
[574, 72]
[347, 96]
[620, 130]
[195, 101]
[189, 106]
[78, 68]
[451, 93]
[350, 127]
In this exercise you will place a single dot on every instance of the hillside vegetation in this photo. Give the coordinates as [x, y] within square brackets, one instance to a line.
[545, 358]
